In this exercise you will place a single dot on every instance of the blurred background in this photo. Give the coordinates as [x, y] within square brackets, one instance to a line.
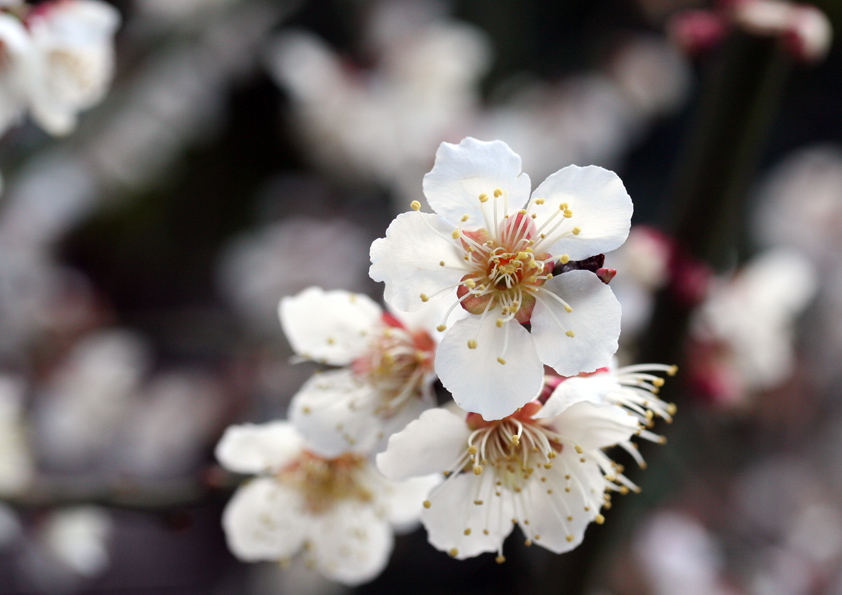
[248, 149]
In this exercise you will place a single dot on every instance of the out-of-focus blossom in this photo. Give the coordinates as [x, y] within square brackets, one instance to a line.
[679, 555]
[541, 468]
[15, 65]
[16, 463]
[77, 539]
[260, 267]
[642, 263]
[339, 511]
[803, 28]
[743, 334]
[74, 59]
[167, 427]
[498, 248]
[387, 381]
[79, 410]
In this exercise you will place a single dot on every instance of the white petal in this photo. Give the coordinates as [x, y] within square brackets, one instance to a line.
[430, 444]
[328, 412]
[251, 448]
[453, 512]
[350, 543]
[263, 521]
[462, 172]
[595, 426]
[594, 320]
[404, 500]
[331, 327]
[592, 389]
[560, 518]
[477, 380]
[600, 204]
[432, 314]
[409, 259]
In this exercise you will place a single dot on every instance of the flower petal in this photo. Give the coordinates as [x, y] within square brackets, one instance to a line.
[409, 259]
[333, 410]
[404, 500]
[462, 172]
[595, 426]
[477, 380]
[430, 444]
[351, 543]
[594, 320]
[557, 516]
[601, 207]
[455, 524]
[251, 448]
[592, 389]
[263, 521]
[330, 327]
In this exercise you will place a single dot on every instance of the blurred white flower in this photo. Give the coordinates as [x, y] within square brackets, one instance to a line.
[73, 60]
[340, 512]
[261, 266]
[541, 468]
[743, 333]
[16, 464]
[496, 247]
[388, 374]
[679, 556]
[78, 412]
[77, 538]
[15, 65]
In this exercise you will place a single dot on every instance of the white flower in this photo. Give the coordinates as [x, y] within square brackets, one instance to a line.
[541, 468]
[497, 248]
[78, 539]
[73, 60]
[388, 373]
[745, 328]
[15, 52]
[339, 511]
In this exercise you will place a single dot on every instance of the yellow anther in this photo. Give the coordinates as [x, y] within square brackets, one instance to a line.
[456, 233]
[539, 201]
[501, 360]
[483, 197]
[470, 283]
[549, 276]
[579, 449]
[567, 213]
[671, 408]
[564, 259]
[477, 470]
[465, 218]
[467, 531]
[534, 215]
[524, 256]
[528, 542]
[515, 439]
[479, 503]
[472, 450]
[570, 334]
[673, 370]
[570, 538]
[454, 552]
[441, 328]
[427, 504]
[522, 211]
[500, 322]
[577, 230]
[441, 263]
[599, 519]
[564, 205]
[500, 559]
[659, 382]
[416, 206]
[662, 439]
[425, 297]
[498, 193]
[567, 308]
[472, 343]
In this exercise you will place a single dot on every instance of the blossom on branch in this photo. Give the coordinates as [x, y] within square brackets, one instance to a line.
[492, 250]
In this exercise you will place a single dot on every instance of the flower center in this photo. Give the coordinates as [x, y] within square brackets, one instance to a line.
[323, 482]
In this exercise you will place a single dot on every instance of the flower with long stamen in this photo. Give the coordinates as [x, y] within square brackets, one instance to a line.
[339, 511]
[492, 249]
[387, 372]
[635, 388]
[541, 468]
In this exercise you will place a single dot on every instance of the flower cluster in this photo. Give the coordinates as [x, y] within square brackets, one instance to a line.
[56, 59]
[501, 295]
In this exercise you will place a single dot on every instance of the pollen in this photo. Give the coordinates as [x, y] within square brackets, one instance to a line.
[441, 328]
[599, 519]
[456, 233]
[465, 218]
[500, 559]
[567, 213]
[467, 531]
[498, 193]
[577, 230]
[472, 343]
[483, 197]
[427, 504]
[539, 201]
[477, 470]
[415, 205]
[454, 552]
[570, 334]
[501, 360]
[500, 323]
[564, 259]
